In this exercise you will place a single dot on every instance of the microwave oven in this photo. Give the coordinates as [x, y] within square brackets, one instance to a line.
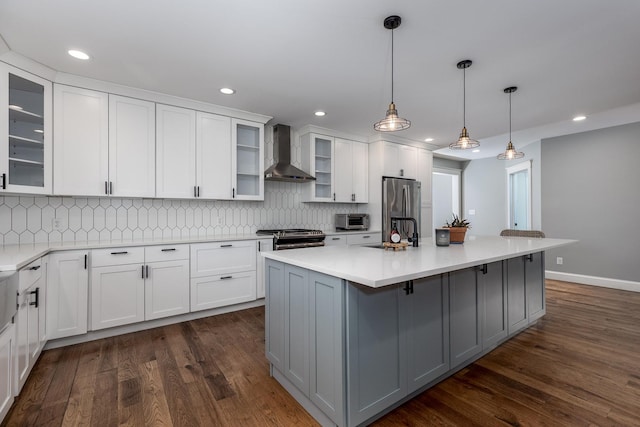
[352, 221]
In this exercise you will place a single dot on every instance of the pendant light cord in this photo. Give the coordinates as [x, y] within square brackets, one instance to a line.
[509, 116]
[392, 66]
[464, 97]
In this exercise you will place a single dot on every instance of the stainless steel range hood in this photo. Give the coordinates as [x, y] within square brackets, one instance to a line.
[283, 170]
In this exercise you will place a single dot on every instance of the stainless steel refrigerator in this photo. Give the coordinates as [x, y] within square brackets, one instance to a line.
[400, 198]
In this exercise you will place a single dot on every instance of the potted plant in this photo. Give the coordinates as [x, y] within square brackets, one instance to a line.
[457, 229]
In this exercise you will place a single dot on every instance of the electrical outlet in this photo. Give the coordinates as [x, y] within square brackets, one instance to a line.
[472, 212]
[559, 260]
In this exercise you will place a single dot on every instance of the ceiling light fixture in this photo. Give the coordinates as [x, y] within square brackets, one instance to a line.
[391, 121]
[320, 113]
[428, 140]
[510, 153]
[464, 142]
[579, 118]
[227, 91]
[78, 54]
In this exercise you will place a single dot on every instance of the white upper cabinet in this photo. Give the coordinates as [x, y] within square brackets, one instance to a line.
[25, 129]
[340, 166]
[132, 147]
[81, 137]
[175, 152]
[247, 160]
[400, 160]
[213, 156]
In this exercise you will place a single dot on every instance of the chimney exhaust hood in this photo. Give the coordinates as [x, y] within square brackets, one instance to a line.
[283, 170]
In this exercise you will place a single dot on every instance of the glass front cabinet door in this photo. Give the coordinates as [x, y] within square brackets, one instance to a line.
[248, 165]
[25, 132]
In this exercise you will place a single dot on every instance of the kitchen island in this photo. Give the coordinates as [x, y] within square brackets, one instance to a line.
[353, 332]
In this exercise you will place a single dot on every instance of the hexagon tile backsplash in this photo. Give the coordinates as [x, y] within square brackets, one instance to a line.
[29, 219]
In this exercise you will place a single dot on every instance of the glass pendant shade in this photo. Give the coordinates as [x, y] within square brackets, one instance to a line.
[464, 141]
[510, 153]
[392, 122]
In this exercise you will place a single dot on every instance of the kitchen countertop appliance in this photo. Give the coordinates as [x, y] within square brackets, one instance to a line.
[294, 238]
[352, 221]
[400, 199]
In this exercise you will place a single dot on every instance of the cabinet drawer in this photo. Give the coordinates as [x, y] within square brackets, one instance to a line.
[335, 241]
[209, 259]
[166, 253]
[117, 256]
[363, 239]
[222, 290]
[30, 274]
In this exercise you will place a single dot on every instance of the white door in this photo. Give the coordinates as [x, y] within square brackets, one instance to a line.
[519, 196]
[67, 294]
[81, 135]
[166, 289]
[213, 153]
[132, 147]
[445, 196]
[175, 152]
[117, 295]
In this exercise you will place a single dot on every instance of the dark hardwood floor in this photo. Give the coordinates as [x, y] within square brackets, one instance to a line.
[578, 366]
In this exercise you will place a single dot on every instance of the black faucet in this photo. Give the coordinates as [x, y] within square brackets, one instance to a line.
[414, 238]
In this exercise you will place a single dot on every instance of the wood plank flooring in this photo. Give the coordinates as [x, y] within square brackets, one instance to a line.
[578, 366]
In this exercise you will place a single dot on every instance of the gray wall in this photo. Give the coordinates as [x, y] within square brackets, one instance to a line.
[590, 193]
[484, 189]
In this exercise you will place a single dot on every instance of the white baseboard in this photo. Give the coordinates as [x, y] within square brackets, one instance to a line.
[605, 282]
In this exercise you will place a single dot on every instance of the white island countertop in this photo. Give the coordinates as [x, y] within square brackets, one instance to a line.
[377, 267]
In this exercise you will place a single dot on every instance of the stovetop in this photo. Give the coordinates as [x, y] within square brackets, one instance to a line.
[290, 232]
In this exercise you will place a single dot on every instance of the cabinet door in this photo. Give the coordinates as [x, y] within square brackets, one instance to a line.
[25, 126]
[175, 152]
[465, 308]
[166, 289]
[376, 361]
[318, 158]
[222, 290]
[264, 245]
[7, 350]
[400, 160]
[326, 325]
[427, 309]
[247, 160]
[534, 281]
[424, 175]
[67, 294]
[343, 176]
[213, 154]
[274, 313]
[117, 295]
[81, 127]
[360, 169]
[22, 340]
[132, 147]
[408, 161]
[516, 295]
[494, 291]
[296, 327]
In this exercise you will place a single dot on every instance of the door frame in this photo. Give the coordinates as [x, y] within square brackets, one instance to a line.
[453, 172]
[526, 165]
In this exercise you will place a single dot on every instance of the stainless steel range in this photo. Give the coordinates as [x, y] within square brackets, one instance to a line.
[294, 238]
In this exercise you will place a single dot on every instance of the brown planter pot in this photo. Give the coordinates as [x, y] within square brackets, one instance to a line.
[456, 234]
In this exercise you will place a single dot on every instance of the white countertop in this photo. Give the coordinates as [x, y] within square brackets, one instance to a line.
[14, 257]
[377, 267]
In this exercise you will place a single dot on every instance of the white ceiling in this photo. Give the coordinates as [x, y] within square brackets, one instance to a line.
[289, 58]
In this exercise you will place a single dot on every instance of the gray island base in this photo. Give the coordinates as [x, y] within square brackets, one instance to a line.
[351, 350]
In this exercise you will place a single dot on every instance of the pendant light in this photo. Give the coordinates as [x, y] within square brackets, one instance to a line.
[392, 122]
[464, 142]
[510, 153]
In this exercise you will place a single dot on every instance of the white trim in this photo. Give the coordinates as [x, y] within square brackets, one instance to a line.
[605, 282]
[526, 165]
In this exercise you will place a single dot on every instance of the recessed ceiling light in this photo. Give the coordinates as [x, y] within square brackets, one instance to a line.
[15, 107]
[320, 113]
[78, 54]
[579, 118]
[227, 91]
[38, 131]
[428, 139]
[476, 150]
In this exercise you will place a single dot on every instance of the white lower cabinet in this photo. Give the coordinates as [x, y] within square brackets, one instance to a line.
[7, 358]
[166, 283]
[30, 334]
[67, 294]
[264, 245]
[223, 273]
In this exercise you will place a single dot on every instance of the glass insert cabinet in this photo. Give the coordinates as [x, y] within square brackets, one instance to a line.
[25, 130]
